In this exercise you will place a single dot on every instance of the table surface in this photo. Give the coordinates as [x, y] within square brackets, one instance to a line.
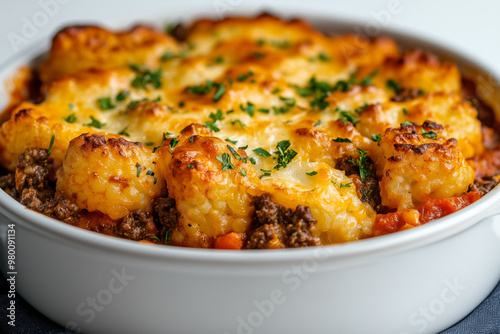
[470, 27]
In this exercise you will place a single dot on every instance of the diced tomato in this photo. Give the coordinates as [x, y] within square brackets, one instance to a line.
[432, 209]
[231, 240]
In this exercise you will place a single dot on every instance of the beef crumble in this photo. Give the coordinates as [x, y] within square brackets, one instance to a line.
[166, 215]
[485, 184]
[369, 190]
[137, 225]
[274, 226]
[33, 186]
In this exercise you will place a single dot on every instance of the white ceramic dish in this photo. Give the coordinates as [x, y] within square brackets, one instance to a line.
[417, 281]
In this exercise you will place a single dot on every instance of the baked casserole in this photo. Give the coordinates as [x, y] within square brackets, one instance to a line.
[244, 133]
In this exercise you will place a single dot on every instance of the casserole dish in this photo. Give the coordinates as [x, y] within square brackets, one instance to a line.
[421, 280]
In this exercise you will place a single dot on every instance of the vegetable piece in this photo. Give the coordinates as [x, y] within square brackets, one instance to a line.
[229, 241]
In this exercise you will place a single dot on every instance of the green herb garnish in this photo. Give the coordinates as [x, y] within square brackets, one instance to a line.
[51, 145]
[429, 134]
[284, 154]
[95, 123]
[105, 103]
[225, 160]
[262, 152]
[70, 119]
[342, 140]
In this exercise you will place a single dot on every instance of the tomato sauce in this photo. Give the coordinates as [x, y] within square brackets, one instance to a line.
[432, 209]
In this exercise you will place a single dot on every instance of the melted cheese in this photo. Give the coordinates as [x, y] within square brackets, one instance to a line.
[260, 69]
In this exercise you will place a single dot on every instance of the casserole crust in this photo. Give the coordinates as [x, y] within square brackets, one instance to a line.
[245, 133]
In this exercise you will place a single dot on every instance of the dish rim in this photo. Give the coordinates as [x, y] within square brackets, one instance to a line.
[428, 233]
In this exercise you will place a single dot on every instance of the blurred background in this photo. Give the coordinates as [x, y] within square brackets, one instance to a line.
[471, 26]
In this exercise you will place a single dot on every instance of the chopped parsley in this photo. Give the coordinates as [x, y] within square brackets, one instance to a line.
[173, 143]
[319, 90]
[221, 89]
[243, 147]
[360, 109]
[167, 237]
[95, 123]
[190, 166]
[281, 44]
[258, 55]
[231, 141]
[276, 90]
[429, 134]
[191, 139]
[124, 132]
[342, 140]
[218, 116]
[377, 138]
[361, 162]
[139, 168]
[168, 55]
[122, 95]
[154, 237]
[318, 123]
[146, 77]
[252, 160]
[405, 111]
[181, 104]
[249, 109]
[207, 87]
[243, 172]
[51, 145]
[289, 102]
[237, 121]
[323, 56]
[201, 89]
[150, 172]
[263, 110]
[243, 77]
[345, 85]
[71, 106]
[394, 85]
[312, 173]
[104, 103]
[211, 126]
[218, 60]
[267, 172]
[347, 185]
[280, 110]
[347, 116]
[406, 123]
[261, 152]
[70, 119]
[149, 143]
[235, 154]
[225, 160]
[284, 154]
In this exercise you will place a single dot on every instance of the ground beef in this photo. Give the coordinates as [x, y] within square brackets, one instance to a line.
[8, 184]
[33, 185]
[485, 185]
[300, 230]
[34, 169]
[137, 225]
[274, 226]
[267, 236]
[50, 204]
[370, 187]
[167, 216]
